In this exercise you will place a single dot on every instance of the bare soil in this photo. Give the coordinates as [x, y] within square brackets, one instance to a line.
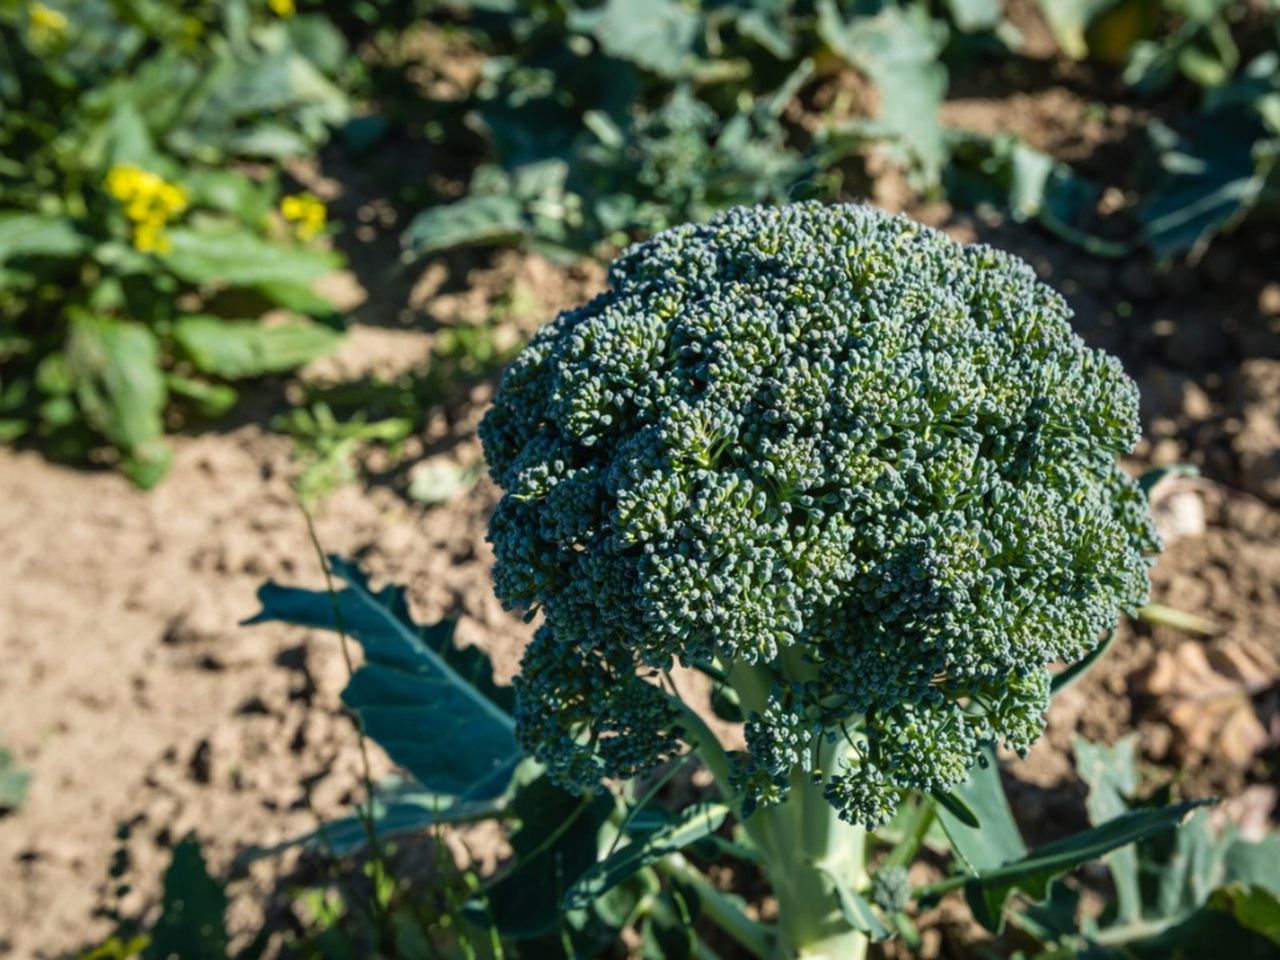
[142, 709]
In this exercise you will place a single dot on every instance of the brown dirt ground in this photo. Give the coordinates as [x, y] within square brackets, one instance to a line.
[134, 698]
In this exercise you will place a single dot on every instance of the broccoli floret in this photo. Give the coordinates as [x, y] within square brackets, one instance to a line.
[831, 443]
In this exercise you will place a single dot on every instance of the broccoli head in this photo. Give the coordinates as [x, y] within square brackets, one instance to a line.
[829, 442]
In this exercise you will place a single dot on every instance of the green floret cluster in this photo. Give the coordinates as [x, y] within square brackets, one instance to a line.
[828, 443]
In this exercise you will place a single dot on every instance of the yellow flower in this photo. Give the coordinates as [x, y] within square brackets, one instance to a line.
[46, 26]
[306, 212]
[283, 8]
[149, 202]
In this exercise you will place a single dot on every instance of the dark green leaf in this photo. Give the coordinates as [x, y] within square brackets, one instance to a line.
[693, 824]
[557, 841]
[233, 349]
[192, 925]
[1148, 479]
[957, 808]
[434, 708]
[1082, 666]
[988, 891]
[1237, 924]
[1255, 908]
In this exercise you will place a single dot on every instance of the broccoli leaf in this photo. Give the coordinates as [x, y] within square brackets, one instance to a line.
[193, 922]
[13, 782]
[990, 888]
[433, 707]
[997, 839]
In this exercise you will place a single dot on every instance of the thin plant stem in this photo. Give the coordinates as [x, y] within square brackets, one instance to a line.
[913, 833]
[365, 810]
[720, 909]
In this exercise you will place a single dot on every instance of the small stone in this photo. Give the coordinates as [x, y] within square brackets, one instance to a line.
[1269, 300]
[1166, 452]
[1195, 402]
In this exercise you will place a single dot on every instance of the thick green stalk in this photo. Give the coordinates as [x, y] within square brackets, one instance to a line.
[805, 846]
[813, 846]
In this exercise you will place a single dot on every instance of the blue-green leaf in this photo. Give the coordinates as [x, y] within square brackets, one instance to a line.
[1112, 776]
[997, 840]
[989, 889]
[434, 709]
[471, 221]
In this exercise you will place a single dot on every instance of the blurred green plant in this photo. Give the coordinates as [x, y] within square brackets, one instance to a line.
[610, 121]
[336, 423]
[142, 229]
[615, 120]
[13, 782]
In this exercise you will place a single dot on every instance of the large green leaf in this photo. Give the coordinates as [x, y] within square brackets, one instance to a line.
[693, 824]
[473, 220]
[238, 257]
[655, 35]
[433, 707]
[899, 51]
[245, 348]
[996, 840]
[1239, 923]
[115, 367]
[192, 924]
[399, 807]
[990, 888]
[38, 235]
[558, 839]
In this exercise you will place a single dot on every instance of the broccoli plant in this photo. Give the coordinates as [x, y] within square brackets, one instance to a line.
[862, 474]
[863, 477]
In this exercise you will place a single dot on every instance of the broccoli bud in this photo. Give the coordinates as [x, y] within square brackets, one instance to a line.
[831, 443]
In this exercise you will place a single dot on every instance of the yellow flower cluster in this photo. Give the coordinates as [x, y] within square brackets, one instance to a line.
[149, 202]
[283, 8]
[307, 214]
[46, 26]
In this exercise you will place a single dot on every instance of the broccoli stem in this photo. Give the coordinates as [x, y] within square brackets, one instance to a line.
[804, 843]
[812, 845]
